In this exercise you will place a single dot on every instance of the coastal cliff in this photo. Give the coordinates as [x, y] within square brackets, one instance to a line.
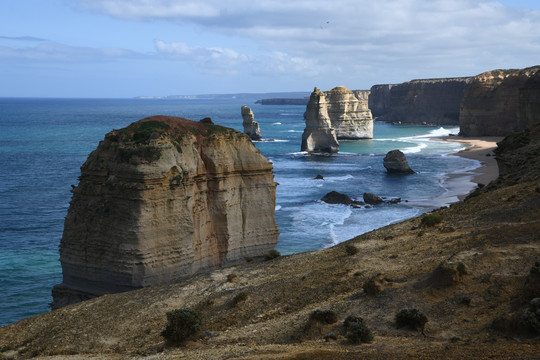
[161, 200]
[318, 135]
[491, 105]
[423, 102]
[350, 116]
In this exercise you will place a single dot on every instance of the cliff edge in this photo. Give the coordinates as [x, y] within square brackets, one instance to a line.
[420, 102]
[491, 105]
[160, 200]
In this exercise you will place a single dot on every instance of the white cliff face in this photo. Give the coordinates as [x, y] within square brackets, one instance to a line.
[161, 200]
[251, 127]
[318, 136]
[349, 115]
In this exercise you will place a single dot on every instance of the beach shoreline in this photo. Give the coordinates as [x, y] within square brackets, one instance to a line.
[479, 149]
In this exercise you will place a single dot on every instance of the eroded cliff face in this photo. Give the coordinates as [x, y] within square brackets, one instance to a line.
[350, 116]
[529, 102]
[491, 105]
[161, 200]
[424, 102]
[318, 136]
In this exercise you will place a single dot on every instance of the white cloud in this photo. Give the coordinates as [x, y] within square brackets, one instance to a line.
[340, 32]
[54, 52]
[150, 9]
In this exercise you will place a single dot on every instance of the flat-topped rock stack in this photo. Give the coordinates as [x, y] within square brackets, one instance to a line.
[161, 200]
[349, 115]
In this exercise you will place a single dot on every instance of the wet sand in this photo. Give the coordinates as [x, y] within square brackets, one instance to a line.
[458, 185]
[480, 149]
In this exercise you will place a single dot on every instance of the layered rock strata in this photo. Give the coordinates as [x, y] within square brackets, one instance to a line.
[423, 102]
[161, 200]
[318, 136]
[491, 105]
[251, 127]
[350, 117]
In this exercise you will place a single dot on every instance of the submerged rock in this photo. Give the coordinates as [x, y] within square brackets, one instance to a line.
[334, 197]
[395, 162]
[372, 199]
[251, 127]
[161, 200]
[318, 136]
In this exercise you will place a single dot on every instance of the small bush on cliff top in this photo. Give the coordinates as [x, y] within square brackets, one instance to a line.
[272, 254]
[324, 316]
[412, 318]
[431, 220]
[182, 324]
[357, 330]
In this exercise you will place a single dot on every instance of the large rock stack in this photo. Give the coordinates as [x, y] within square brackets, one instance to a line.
[491, 105]
[161, 200]
[349, 116]
[318, 136]
[251, 127]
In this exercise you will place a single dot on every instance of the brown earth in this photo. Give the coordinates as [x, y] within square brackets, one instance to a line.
[492, 238]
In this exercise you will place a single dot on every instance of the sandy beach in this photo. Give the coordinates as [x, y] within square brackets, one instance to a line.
[480, 149]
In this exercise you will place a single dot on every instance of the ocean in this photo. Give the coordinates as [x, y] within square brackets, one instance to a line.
[43, 143]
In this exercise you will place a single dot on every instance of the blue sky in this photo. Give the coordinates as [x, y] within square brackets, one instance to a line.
[121, 48]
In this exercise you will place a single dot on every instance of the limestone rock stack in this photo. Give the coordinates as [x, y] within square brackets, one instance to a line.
[491, 105]
[318, 136]
[251, 127]
[349, 116]
[161, 200]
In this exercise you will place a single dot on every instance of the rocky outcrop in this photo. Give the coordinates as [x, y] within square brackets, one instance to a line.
[395, 162]
[251, 127]
[334, 197]
[372, 199]
[349, 116]
[318, 136]
[161, 200]
[491, 105]
[425, 102]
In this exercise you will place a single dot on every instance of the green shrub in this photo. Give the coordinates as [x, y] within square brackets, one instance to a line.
[412, 318]
[324, 316]
[431, 220]
[146, 129]
[182, 325]
[351, 249]
[272, 254]
[358, 332]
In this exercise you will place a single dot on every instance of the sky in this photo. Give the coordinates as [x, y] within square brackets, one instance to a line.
[128, 48]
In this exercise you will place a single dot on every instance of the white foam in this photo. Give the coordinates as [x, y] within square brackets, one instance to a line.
[415, 149]
[276, 123]
[278, 207]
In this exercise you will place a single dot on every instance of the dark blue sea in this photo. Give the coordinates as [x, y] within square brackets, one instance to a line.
[43, 143]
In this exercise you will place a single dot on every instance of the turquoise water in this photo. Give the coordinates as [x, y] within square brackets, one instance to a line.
[43, 143]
